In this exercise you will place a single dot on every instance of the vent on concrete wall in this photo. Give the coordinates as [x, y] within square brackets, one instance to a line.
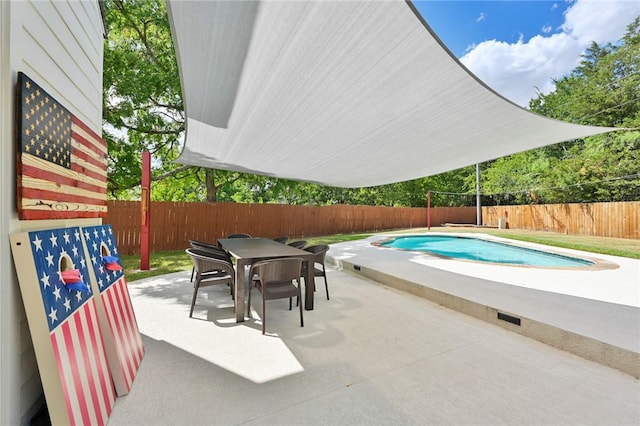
[356, 267]
[509, 318]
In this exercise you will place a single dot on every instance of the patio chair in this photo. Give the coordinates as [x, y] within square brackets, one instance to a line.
[239, 236]
[276, 279]
[298, 244]
[209, 271]
[212, 251]
[282, 239]
[319, 252]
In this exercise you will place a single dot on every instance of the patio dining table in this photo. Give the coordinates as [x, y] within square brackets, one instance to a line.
[249, 250]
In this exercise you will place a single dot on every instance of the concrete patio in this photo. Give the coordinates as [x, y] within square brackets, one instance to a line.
[374, 354]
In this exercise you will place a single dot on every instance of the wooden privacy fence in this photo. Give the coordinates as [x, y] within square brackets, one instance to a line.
[173, 224]
[617, 220]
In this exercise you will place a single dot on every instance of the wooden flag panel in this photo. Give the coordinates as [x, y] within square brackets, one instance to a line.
[119, 326]
[61, 163]
[65, 329]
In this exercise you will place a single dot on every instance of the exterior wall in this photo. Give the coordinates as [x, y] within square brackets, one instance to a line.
[60, 45]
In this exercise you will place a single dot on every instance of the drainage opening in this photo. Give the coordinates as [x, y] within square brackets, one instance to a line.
[356, 267]
[509, 318]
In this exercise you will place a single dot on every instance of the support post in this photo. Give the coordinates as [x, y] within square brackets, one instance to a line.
[428, 210]
[478, 200]
[145, 211]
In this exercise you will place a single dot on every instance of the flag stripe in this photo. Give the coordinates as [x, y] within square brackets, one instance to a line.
[121, 288]
[91, 382]
[127, 336]
[47, 214]
[75, 373]
[89, 138]
[62, 366]
[39, 172]
[127, 370]
[131, 317]
[49, 190]
[108, 394]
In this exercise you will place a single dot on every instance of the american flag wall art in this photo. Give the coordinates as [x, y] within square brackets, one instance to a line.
[64, 325]
[61, 163]
[120, 328]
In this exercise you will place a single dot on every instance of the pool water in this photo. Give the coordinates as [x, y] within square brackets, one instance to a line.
[480, 250]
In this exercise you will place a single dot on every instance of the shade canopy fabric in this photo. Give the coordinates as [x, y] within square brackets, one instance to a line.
[342, 93]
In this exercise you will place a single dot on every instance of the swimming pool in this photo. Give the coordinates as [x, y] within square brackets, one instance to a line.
[481, 250]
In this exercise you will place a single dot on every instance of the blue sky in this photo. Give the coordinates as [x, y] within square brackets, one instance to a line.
[517, 47]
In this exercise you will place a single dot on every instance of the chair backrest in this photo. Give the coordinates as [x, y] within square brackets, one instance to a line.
[204, 261]
[212, 250]
[279, 270]
[298, 244]
[319, 252]
[282, 239]
[239, 236]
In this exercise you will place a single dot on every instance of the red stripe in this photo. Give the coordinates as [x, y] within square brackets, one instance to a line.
[46, 214]
[86, 157]
[75, 371]
[87, 172]
[131, 325]
[132, 317]
[63, 381]
[127, 369]
[108, 393]
[97, 139]
[87, 362]
[62, 179]
[125, 337]
[128, 333]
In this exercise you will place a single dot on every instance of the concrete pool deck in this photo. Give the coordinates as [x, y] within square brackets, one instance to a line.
[592, 313]
[372, 355]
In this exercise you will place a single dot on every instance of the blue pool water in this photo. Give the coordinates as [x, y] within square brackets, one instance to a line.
[483, 251]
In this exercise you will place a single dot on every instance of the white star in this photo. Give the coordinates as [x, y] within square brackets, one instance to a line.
[45, 279]
[95, 233]
[54, 240]
[104, 232]
[38, 243]
[86, 235]
[79, 295]
[75, 251]
[95, 246]
[83, 263]
[115, 251]
[100, 283]
[56, 292]
[93, 260]
[53, 315]
[110, 231]
[77, 235]
[109, 242]
[66, 237]
[67, 304]
[101, 269]
[49, 259]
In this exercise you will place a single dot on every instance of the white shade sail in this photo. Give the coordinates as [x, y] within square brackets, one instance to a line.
[343, 93]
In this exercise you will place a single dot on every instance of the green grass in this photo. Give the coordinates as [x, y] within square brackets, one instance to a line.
[173, 261]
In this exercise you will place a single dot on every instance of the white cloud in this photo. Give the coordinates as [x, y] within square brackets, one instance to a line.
[515, 70]
[481, 18]
[546, 29]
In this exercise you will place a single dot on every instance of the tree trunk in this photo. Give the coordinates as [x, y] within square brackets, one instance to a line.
[212, 189]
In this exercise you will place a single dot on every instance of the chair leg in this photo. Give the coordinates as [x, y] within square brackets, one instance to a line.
[195, 294]
[264, 315]
[301, 319]
[326, 286]
[249, 301]
[193, 271]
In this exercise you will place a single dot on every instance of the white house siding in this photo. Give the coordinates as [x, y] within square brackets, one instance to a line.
[59, 44]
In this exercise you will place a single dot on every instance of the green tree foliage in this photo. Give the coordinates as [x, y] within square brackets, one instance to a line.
[604, 90]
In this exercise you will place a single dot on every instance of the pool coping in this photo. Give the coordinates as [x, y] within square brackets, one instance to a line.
[604, 332]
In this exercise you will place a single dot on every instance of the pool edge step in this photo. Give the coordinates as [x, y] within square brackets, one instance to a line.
[583, 346]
